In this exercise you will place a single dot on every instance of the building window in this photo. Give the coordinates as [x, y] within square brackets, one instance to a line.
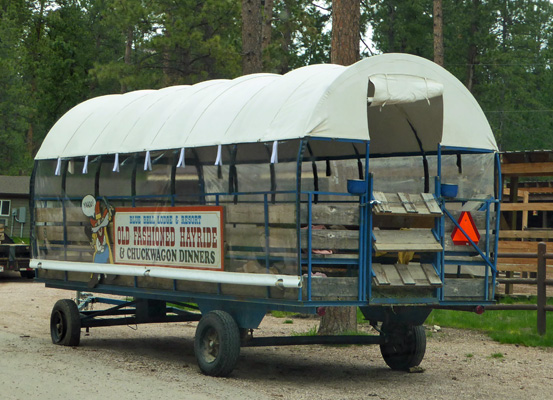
[5, 208]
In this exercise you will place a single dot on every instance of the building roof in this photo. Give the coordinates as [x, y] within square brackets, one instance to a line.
[14, 185]
[382, 99]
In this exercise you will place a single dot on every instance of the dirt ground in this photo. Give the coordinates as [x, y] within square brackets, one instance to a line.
[157, 361]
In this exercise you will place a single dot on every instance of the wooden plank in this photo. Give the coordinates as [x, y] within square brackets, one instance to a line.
[418, 275]
[525, 198]
[526, 206]
[72, 214]
[505, 246]
[255, 213]
[527, 169]
[285, 214]
[531, 190]
[405, 275]
[402, 204]
[380, 275]
[412, 221]
[55, 233]
[467, 288]
[382, 205]
[406, 240]
[406, 203]
[431, 204]
[392, 275]
[321, 239]
[543, 234]
[332, 214]
[334, 286]
[431, 275]
[520, 261]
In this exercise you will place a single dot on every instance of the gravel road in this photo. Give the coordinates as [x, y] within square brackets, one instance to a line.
[157, 361]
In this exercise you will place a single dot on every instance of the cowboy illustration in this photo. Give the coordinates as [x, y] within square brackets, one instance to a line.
[99, 220]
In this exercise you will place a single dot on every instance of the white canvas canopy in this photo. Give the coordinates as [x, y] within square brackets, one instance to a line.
[382, 99]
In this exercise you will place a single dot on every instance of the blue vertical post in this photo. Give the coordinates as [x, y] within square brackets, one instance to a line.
[369, 242]
[298, 211]
[266, 212]
[361, 262]
[440, 224]
[486, 275]
[497, 218]
[219, 290]
[309, 244]
[367, 230]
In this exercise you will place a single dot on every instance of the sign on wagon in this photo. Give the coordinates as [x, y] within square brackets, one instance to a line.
[186, 237]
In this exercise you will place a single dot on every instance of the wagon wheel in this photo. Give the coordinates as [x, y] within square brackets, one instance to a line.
[217, 343]
[65, 323]
[403, 345]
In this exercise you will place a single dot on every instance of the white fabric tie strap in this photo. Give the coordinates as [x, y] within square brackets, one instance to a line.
[181, 163]
[274, 155]
[58, 167]
[85, 165]
[148, 162]
[116, 163]
[219, 160]
[426, 84]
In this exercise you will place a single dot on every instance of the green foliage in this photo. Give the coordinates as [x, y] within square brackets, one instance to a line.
[506, 326]
[282, 314]
[14, 101]
[311, 332]
[500, 49]
[300, 36]
[55, 54]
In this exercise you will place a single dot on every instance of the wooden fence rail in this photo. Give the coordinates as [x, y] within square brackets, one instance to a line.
[541, 282]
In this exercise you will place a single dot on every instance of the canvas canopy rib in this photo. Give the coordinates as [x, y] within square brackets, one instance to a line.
[157, 117]
[328, 101]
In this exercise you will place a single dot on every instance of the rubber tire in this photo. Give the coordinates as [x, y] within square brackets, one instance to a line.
[217, 343]
[403, 345]
[65, 323]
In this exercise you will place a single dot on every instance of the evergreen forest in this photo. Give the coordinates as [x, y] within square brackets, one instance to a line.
[56, 54]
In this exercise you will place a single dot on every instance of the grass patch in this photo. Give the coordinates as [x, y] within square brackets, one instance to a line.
[282, 314]
[288, 321]
[360, 317]
[497, 355]
[20, 240]
[311, 332]
[506, 326]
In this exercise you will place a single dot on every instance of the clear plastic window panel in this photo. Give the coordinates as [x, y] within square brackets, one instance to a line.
[260, 231]
[153, 187]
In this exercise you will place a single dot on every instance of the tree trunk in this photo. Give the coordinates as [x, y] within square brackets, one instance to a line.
[286, 40]
[391, 29]
[338, 320]
[438, 33]
[472, 50]
[128, 53]
[266, 28]
[346, 15]
[251, 37]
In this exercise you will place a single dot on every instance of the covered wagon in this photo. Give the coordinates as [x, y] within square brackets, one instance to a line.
[373, 185]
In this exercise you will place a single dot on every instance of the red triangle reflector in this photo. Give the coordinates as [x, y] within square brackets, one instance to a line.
[467, 223]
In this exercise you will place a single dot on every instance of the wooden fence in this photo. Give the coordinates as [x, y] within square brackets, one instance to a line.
[541, 283]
